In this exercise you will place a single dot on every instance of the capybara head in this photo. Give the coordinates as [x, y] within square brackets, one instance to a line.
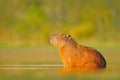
[61, 39]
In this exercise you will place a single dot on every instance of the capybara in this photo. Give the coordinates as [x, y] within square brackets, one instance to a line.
[75, 55]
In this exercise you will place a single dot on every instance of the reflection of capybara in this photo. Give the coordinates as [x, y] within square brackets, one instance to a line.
[74, 55]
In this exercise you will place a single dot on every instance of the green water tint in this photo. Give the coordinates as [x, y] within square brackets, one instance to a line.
[32, 66]
[58, 72]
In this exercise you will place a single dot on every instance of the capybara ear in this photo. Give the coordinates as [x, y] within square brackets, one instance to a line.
[68, 36]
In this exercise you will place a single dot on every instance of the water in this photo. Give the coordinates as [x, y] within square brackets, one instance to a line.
[57, 72]
[17, 65]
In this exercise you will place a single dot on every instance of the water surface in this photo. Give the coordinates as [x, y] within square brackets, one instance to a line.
[50, 72]
[31, 65]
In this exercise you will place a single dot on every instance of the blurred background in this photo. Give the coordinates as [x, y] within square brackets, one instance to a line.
[26, 25]
[29, 23]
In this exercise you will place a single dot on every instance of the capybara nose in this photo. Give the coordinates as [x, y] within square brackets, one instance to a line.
[51, 37]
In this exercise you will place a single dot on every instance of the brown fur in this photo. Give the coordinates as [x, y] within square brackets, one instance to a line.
[74, 55]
